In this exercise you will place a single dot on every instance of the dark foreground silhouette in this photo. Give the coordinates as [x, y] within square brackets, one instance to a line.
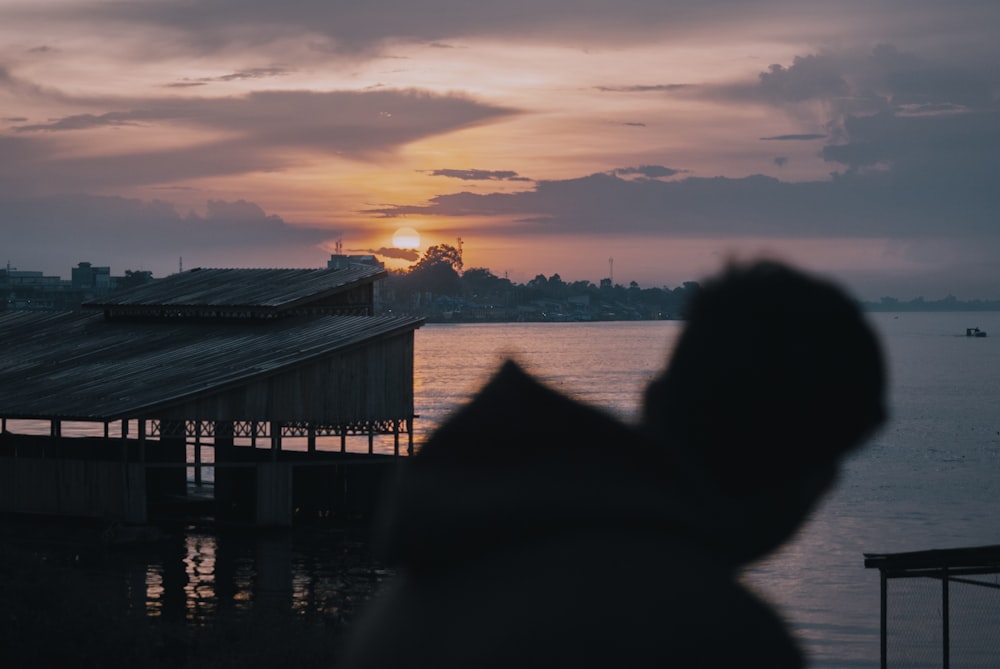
[534, 531]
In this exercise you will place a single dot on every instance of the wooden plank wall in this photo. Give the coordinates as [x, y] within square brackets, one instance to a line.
[370, 382]
[80, 488]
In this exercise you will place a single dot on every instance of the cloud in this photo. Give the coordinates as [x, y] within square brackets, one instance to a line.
[656, 88]
[479, 175]
[806, 136]
[57, 232]
[262, 131]
[364, 28]
[648, 171]
[410, 255]
[809, 77]
[878, 205]
[780, 161]
[242, 75]
[87, 121]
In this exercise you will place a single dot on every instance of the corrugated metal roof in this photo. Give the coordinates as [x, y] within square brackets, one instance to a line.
[78, 366]
[271, 288]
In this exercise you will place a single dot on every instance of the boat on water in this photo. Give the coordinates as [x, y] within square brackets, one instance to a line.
[974, 332]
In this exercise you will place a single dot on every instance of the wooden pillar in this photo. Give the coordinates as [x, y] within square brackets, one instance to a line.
[343, 439]
[275, 439]
[142, 440]
[124, 439]
[371, 441]
[197, 453]
[55, 428]
[395, 437]
[253, 434]
[311, 439]
[409, 431]
[107, 429]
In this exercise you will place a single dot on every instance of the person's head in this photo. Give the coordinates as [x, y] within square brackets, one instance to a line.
[775, 376]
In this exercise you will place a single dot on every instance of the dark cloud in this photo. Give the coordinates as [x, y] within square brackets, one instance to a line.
[242, 75]
[657, 88]
[794, 137]
[809, 77]
[366, 27]
[479, 175]
[410, 255]
[88, 121]
[57, 232]
[877, 205]
[780, 161]
[648, 171]
[954, 156]
[263, 131]
[635, 124]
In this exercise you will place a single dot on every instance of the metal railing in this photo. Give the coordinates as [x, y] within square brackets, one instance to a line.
[967, 626]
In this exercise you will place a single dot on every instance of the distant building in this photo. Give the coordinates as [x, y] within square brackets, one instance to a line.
[341, 261]
[87, 277]
[28, 289]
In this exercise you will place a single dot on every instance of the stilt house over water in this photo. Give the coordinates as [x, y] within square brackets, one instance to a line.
[260, 378]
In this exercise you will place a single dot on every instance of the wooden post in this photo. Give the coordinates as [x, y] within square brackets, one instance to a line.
[275, 440]
[124, 440]
[409, 431]
[197, 453]
[395, 437]
[311, 439]
[343, 439]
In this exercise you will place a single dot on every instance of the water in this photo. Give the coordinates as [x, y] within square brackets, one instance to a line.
[928, 480]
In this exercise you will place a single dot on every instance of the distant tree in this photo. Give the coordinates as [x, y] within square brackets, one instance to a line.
[481, 283]
[440, 254]
[135, 278]
[538, 282]
[437, 272]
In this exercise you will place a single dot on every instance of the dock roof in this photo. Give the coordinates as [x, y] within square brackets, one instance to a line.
[264, 289]
[80, 366]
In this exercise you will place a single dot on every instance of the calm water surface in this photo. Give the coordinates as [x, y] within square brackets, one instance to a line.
[928, 480]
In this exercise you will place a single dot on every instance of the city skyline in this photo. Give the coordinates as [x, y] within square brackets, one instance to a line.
[855, 139]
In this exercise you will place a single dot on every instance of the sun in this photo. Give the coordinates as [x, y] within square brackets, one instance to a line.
[406, 238]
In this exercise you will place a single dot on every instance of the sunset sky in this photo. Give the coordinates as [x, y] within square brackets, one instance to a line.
[857, 138]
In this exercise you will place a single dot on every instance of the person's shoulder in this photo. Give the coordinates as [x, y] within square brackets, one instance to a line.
[516, 414]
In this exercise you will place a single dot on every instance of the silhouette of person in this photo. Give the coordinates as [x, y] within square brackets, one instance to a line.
[532, 530]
